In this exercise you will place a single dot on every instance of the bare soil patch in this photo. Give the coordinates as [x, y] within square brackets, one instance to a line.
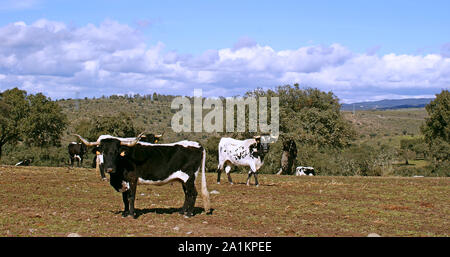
[48, 201]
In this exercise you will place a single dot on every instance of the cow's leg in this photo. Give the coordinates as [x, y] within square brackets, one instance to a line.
[250, 173]
[252, 170]
[99, 166]
[248, 178]
[229, 178]
[131, 197]
[184, 208]
[102, 171]
[219, 172]
[71, 160]
[227, 170]
[125, 204]
[191, 196]
[256, 179]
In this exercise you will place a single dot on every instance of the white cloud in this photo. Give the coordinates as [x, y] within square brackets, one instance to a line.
[113, 58]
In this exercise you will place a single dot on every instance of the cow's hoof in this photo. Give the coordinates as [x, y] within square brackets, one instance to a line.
[257, 185]
[188, 215]
[218, 183]
[128, 215]
[182, 212]
[231, 183]
[125, 214]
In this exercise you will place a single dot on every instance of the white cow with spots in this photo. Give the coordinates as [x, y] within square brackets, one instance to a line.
[249, 152]
[304, 171]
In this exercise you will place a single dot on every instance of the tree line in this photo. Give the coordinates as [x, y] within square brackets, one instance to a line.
[309, 116]
[34, 120]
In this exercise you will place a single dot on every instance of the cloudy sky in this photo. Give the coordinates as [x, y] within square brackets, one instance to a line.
[360, 50]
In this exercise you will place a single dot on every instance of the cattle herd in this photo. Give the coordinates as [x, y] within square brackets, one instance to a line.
[140, 159]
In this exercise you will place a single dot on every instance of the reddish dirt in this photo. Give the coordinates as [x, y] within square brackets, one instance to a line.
[44, 201]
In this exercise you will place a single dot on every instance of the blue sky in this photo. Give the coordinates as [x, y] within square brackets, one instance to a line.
[360, 50]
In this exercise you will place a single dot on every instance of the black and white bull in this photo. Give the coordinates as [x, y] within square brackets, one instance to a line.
[76, 152]
[97, 162]
[249, 152]
[288, 157]
[130, 162]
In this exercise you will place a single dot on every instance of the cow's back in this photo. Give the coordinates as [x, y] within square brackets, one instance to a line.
[155, 162]
[235, 151]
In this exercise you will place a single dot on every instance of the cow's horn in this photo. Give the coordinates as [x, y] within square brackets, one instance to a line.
[256, 136]
[134, 142]
[158, 136]
[87, 143]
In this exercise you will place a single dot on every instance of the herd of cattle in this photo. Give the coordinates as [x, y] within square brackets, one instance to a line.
[140, 159]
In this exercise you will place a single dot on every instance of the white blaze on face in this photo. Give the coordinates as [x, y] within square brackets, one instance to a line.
[178, 175]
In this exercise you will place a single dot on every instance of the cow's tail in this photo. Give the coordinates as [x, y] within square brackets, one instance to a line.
[205, 193]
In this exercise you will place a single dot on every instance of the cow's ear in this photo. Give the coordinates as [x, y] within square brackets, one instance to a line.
[123, 151]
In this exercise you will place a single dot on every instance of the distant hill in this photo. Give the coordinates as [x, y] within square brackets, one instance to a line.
[388, 104]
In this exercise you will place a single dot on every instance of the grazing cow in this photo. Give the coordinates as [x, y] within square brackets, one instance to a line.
[76, 152]
[25, 162]
[288, 157]
[97, 162]
[303, 171]
[128, 162]
[249, 152]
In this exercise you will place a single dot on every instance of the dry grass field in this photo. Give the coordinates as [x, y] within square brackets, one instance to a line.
[54, 202]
